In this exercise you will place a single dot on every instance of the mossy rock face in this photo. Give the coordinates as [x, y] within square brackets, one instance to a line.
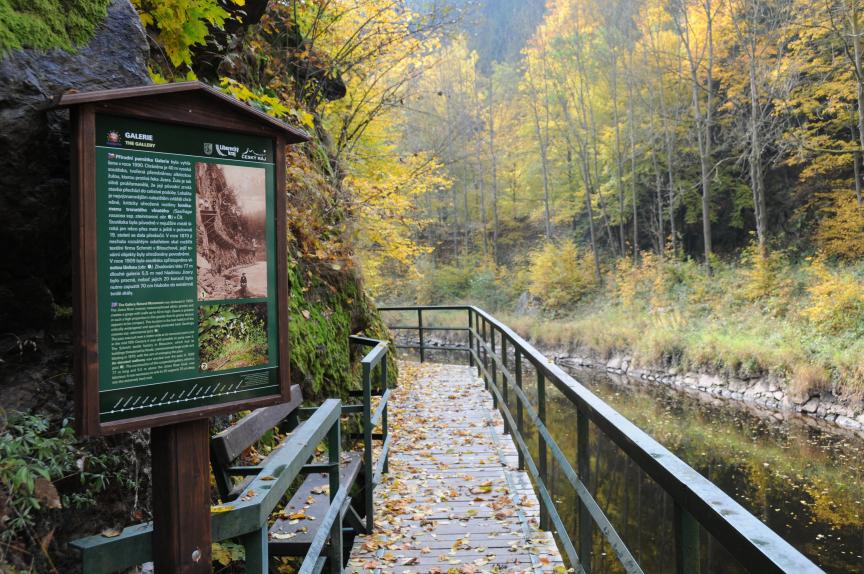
[322, 315]
[34, 147]
[45, 24]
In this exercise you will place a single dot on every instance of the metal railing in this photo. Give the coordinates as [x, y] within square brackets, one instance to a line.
[372, 470]
[697, 501]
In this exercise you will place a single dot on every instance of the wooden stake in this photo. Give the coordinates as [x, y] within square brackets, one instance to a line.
[181, 498]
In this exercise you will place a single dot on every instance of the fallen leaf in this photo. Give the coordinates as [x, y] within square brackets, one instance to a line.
[46, 492]
[283, 535]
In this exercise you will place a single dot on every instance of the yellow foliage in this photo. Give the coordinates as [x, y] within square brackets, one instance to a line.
[764, 275]
[648, 276]
[841, 233]
[560, 274]
[268, 104]
[836, 299]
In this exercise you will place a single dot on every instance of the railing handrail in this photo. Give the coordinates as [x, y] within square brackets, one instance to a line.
[743, 535]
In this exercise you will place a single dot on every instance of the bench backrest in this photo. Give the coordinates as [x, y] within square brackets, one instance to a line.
[227, 445]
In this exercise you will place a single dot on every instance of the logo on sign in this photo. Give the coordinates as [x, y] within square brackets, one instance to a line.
[114, 138]
[208, 148]
[227, 150]
[254, 155]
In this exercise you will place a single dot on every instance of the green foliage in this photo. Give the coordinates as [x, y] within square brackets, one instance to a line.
[321, 317]
[33, 458]
[44, 24]
[181, 24]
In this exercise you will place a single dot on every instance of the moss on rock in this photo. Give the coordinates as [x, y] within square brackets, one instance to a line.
[45, 24]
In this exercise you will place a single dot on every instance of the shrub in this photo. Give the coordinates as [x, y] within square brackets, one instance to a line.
[32, 458]
[560, 275]
[764, 274]
[836, 300]
[841, 233]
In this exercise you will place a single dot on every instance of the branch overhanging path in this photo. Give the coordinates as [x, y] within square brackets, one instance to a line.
[453, 501]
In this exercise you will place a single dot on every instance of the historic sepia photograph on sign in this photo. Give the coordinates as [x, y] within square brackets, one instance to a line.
[232, 336]
[231, 231]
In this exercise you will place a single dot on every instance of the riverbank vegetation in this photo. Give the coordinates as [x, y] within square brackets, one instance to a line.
[800, 321]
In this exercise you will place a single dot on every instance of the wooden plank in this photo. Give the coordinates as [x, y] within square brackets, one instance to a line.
[85, 291]
[231, 442]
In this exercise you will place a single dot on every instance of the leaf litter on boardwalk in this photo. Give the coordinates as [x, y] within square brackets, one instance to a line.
[441, 424]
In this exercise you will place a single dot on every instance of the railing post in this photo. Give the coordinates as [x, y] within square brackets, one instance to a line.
[384, 429]
[686, 542]
[477, 320]
[255, 547]
[517, 367]
[541, 463]
[334, 444]
[505, 384]
[494, 365]
[420, 330]
[470, 338]
[485, 354]
[583, 467]
[367, 447]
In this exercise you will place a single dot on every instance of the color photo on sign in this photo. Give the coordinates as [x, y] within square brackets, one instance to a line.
[232, 336]
[230, 232]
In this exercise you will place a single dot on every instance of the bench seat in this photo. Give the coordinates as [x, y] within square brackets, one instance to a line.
[292, 536]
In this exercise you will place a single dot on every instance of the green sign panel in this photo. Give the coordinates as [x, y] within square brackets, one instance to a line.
[187, 302]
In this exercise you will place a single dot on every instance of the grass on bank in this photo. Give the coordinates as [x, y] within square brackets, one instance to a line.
[761, 314]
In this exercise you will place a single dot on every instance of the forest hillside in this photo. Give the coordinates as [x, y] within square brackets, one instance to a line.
[677, 181]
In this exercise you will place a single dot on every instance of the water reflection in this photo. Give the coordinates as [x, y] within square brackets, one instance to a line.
[802, 481]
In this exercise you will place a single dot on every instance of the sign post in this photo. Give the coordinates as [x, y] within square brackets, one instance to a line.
[181, 294]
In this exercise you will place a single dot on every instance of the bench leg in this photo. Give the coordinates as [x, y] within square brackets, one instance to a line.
[255, 544]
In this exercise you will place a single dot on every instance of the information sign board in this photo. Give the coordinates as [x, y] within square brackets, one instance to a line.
[186, 273]
[180, 239]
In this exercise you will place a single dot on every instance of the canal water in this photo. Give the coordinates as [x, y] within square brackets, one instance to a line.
[803, 481]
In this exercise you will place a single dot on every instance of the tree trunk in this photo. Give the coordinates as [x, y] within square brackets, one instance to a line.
[619, 167]
[541, 143]
[859, 76]
[494, 173]
[631, 128]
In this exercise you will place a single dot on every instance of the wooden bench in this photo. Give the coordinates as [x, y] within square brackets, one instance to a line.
[259, 489]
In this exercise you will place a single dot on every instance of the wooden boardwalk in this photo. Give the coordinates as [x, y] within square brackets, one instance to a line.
[454, 501]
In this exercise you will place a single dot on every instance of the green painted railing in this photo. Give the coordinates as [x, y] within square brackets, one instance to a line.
[373, 470]
[247, 518]
[697, 501]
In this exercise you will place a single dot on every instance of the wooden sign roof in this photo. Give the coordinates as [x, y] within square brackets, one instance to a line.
[192, 103]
